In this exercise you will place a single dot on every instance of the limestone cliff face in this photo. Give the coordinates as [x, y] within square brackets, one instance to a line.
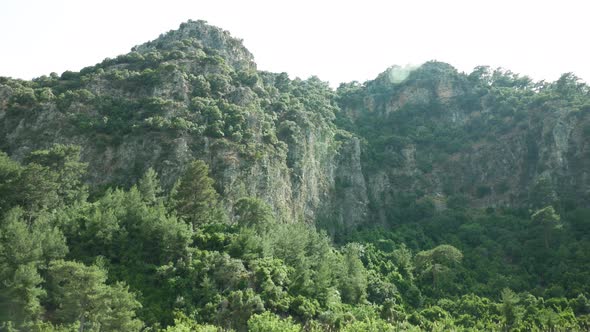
[410, 140]
[348, 202]
[440, 136]
[193, 93]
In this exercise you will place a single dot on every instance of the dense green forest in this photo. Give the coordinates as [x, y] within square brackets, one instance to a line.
[145, 258]
[177, 188]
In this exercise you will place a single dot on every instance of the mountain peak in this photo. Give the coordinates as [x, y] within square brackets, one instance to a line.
[200, 34]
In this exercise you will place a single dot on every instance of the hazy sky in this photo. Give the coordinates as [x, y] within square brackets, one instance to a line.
[335, 40]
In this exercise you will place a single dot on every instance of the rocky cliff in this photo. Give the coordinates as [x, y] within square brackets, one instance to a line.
[418, 139]
[192, 93]
[488, 139]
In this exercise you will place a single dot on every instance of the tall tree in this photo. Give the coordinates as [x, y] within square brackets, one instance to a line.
[549, 220]
[253, 213]
[353, 279]
[193, 196]
[36, 188]
[149, 186]
[81, 295]
[509, 308]
[10, 172]
[438, 262]
[20, 290]
[64, 160]
[24, 250]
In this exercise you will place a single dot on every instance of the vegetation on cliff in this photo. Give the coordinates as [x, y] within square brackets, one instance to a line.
[177, 188]
[143, 258]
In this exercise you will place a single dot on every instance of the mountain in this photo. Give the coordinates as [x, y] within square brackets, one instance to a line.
[344, 157]
[487, 139]
[191, 93]
[179, 188]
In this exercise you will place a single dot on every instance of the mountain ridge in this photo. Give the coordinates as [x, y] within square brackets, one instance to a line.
[195, 92]
[177, 188]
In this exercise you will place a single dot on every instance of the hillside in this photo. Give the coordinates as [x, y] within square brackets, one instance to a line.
[487, 139]
[191, 191]
[192, 93]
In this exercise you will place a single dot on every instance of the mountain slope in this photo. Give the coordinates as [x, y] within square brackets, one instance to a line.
[191, 93]
[428, 136]
[488, 139]
[227, 198]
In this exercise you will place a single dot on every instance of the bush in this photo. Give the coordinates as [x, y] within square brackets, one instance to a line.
[268, 322]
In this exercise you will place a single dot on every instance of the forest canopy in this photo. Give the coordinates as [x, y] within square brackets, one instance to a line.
[140, 257]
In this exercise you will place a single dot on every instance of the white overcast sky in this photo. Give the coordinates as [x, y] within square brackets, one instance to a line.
[339, 41]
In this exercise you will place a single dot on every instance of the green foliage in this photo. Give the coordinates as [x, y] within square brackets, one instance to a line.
[239, 306]
[80, 295]
[267, 322]
[9, 176]
[510, 310]
[21, 294]
[65, 161]
[25, 249]
[353, 278]
[149, 187]
[182, 323]
[193, 196]
[253, 213]
[51, 178]
[438, 263]
[314, 264]
[145, 256]
[369, 326]
[271, 277]
[36, 188]
[549, 220]
[260, 274]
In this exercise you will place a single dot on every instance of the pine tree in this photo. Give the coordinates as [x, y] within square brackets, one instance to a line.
[193, 196]
[81, 295]
[253, 213]
[353, 281]
[149, 186]
[549, 219]
[25, 249]
[64, 160]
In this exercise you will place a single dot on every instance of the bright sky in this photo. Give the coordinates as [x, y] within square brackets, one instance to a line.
[339, 41]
